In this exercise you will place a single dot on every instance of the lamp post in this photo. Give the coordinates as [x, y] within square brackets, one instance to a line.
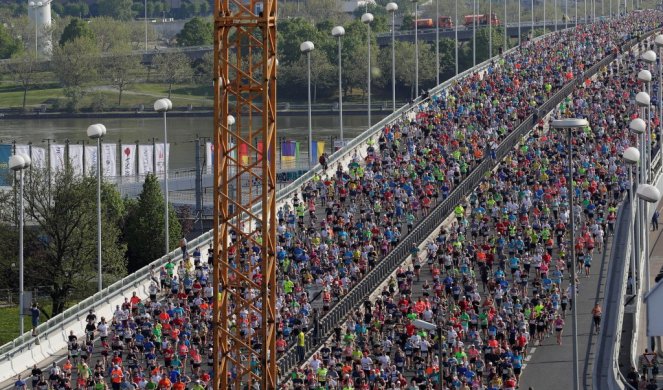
[18, 163]
[643, 101]
[456, 34]
[649, 57]
[307, 47]
[570, 124]
[145, 20]
[338, 32]
[638, 126]
[416, 47]
[519, 25]
[506, 34]
[632, 156]
[163, 106]
[392, 8]
[474, 33]
[367, 18]
[659, 44]
[645, 77]
[490, 30]
[437, 42]
[97, 132]
[425, 325]
[649, 194]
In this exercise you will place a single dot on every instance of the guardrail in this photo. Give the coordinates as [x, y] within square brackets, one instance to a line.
[606, 367]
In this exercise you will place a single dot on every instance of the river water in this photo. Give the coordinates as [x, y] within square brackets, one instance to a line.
[181, 131]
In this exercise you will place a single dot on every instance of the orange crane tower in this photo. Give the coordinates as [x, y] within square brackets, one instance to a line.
[244, 305]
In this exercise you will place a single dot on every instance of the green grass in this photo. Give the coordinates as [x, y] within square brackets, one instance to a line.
[9, 327]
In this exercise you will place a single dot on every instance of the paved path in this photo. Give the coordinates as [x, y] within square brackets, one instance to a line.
[550, 366]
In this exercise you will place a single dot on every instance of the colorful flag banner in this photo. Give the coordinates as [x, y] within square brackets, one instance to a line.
[128, 163]
[243, 154]
[57, 157]
[90, 160]
[161, 157]
[5, 172]
[109, 160]
[288, 151]
[145, 159]
[317, 148]
[76, 159]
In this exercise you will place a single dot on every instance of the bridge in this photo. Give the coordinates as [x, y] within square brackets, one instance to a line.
[53, 334]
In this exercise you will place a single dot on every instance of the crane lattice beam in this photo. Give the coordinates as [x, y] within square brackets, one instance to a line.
[244, 306]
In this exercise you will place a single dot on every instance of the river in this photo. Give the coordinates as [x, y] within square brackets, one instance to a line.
[181, 131]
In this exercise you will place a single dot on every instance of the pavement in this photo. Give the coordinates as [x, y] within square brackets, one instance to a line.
[555, 362]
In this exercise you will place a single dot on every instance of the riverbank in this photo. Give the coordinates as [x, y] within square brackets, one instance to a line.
[354, 111]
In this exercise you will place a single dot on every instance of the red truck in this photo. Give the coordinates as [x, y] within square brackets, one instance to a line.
[424, 23]
[445, 22]
[481, 20]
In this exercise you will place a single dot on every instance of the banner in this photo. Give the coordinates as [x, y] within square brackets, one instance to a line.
[128, 163]
[5, 172]
[38, 157]
[288, 151]
[209, 154]
[317, 148]
[23, 149]
[76, 159]
[57, 158]
[90, 160]
[109, 160]
[160, 156]
[145, 159]
[243, 154]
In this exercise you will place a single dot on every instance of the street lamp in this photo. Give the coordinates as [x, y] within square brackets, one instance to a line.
[392, 8]
[425, 325]
[631, 157]
[307, 47]
[437, 42]
[649, 194]
[659, 44]
[338, 32]
[648, 57]
[18, 163]
[638, 126]
[163, 106]
[367, 18]
[97, 132]
[416, 48]
[645, 76]
[570, 124]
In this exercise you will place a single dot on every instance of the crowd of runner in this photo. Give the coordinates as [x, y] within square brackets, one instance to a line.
[494, 280]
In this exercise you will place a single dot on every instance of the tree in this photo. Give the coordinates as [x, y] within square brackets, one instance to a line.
[74, 64]
[119, 69]
[116, 9]
[145, 225]
[63, 251]
[172, 68]
[8, 44]
[76, 29]
[23, 69]
[110, 34]
[196, 32]
[405, 66]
